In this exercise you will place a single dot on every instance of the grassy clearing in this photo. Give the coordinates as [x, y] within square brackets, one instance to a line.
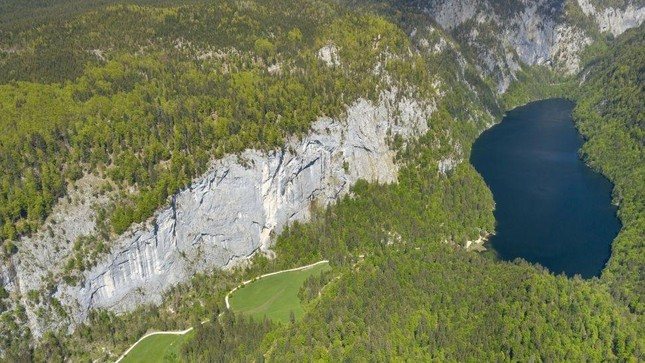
[274, 296]
[155, 348]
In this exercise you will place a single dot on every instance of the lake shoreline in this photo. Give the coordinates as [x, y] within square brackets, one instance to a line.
[551, 207]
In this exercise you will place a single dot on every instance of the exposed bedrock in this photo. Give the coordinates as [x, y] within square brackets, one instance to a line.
[236, 207]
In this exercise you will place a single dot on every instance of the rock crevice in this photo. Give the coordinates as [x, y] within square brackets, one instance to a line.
[235, 208]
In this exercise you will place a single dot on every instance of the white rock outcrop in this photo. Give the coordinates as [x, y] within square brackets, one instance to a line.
[47, 250]
[615, 20]
[329, 55]
[241, 202]
[235, 208]
[532, 32]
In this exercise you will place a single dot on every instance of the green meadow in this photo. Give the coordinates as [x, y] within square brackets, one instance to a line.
[274, 296]
[156, 348]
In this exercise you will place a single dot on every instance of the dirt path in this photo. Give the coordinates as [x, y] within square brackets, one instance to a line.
[228, 306]
[176, 332]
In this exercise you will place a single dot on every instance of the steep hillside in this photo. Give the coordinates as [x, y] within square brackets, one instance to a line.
[610, 115]
[502, 37]
[153, 150]
[147, 106]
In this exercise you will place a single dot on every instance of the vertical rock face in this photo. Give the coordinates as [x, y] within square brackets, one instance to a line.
[235, 208]
[615, 20]
[242, 201]
[46, 251]
[44, 254]
[503, 35]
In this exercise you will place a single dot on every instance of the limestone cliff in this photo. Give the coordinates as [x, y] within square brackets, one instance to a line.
[615, 19]
[501, 36]
[238, 206]
[233, 210]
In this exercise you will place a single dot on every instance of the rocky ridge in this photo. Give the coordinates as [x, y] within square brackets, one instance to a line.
[502, 37]
[235, 208]
[615, 20]
[529, 32]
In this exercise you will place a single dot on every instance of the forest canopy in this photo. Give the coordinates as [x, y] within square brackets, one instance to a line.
[145, 95]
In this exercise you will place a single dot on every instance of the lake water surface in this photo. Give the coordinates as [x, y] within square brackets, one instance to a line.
[551, 208]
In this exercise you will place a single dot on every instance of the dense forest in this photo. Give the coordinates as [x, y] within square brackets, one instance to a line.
[609, 114]
[146, 104]
[146, 95]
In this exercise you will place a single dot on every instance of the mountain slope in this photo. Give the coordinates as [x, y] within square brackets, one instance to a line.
[609, 114]
[189, 137]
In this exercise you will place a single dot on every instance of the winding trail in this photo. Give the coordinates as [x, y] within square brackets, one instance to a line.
[228, 307]
[176, 332]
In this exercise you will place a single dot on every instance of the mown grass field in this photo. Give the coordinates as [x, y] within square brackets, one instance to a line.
[274, 296]
[154, 348]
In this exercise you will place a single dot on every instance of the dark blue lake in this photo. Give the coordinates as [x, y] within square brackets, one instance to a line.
[551, 208]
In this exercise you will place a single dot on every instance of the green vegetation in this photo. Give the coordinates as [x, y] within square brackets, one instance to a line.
[274, 297]
[151, 120]
[146, 96]
[620, 4]
[20, 14]
[157, 348]
[105, 336]
[609, 114]
[228, 339]
[538, 83]
[441, 303]
[489, 310]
